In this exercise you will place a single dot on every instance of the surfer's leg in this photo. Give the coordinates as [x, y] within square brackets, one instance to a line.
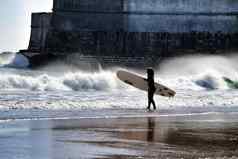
[149, 101]
[153, 102]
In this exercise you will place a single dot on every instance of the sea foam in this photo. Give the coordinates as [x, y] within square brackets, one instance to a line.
[186, 73]
[77, 81]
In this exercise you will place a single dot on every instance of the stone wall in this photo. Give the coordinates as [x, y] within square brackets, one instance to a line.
[70, 21]
[176, 6]
[40, 26]
[146, 15]
[182, 23]
[166, 6]
[136, 28]
[88, 5]
[139, 44]
[67, 21]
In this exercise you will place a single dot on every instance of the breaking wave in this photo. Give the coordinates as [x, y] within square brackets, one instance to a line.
[68, 82]
[198, 90]
[104, 80]
[200, 72]
[186, 73]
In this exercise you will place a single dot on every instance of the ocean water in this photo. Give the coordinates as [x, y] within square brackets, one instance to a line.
[61, 111]
[60, 91]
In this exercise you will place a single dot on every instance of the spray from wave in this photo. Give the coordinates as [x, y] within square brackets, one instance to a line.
[199, 72]
[187, 73]
[10, 59]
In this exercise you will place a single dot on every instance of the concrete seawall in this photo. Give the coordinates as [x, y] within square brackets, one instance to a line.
[136, 28]
[40, 27]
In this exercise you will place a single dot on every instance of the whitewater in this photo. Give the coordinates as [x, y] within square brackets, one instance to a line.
[60, 91]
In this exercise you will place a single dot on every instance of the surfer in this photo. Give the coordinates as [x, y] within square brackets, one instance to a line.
[151, 87]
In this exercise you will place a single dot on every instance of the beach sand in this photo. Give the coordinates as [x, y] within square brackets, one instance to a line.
[168, 136]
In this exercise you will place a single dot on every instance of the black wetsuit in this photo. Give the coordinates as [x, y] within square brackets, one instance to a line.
[151, 88]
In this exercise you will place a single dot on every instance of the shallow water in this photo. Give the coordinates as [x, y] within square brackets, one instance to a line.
[183, 136]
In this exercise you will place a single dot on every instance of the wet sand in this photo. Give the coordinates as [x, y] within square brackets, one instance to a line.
[184, 136]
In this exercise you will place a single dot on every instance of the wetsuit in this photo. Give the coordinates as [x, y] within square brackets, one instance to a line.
[151, 88]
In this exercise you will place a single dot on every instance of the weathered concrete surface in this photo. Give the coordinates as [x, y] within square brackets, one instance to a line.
[171, 6]
[146, 16]
[136, 28]
[40, 27]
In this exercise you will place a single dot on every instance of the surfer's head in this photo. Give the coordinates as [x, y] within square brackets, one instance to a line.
[150, 72]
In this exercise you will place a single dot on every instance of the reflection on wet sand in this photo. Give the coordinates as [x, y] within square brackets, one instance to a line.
[155, 137]
[187, 136]
[151, 129]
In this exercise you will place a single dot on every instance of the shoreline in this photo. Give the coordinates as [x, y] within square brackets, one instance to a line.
[197, 136]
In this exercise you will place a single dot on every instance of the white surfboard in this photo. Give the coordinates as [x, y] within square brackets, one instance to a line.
[141, 83]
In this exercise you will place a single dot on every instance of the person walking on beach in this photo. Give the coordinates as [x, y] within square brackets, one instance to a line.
[151, 88]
